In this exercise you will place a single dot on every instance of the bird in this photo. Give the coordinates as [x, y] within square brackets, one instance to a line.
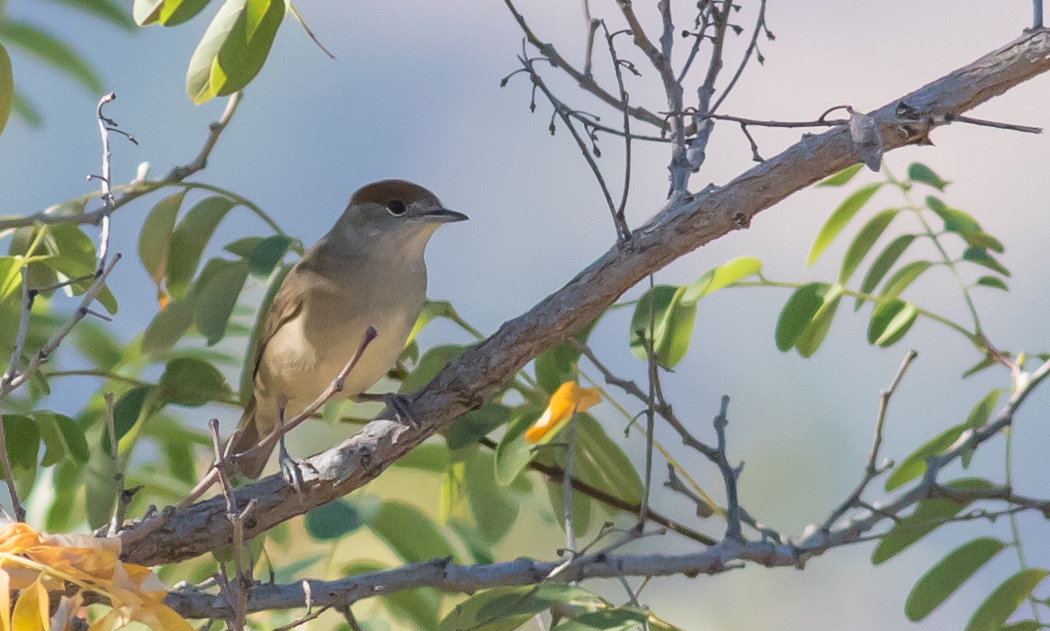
[367, 271]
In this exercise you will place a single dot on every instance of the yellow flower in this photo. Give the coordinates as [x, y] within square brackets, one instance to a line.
[567, 400]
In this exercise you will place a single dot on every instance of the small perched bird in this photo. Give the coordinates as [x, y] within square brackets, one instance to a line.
[368, 271]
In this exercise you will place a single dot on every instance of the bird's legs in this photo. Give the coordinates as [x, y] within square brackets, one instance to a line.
[291, 468]
[399, 404]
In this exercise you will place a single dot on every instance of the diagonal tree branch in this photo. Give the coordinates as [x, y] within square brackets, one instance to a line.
[683, 225]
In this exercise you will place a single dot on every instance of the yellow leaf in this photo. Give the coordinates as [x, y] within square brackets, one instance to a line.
[5, 601]
[566, 401]
[158, 616]
[30, 612]
[16, 537]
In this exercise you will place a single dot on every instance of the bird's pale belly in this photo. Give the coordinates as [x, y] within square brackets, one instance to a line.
[300, 367]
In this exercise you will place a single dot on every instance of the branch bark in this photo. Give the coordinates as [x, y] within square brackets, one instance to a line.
[681, 226]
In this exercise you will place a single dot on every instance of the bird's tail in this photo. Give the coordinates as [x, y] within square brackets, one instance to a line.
[248, 437]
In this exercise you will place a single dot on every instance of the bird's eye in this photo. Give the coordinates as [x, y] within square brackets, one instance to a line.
[396, 207]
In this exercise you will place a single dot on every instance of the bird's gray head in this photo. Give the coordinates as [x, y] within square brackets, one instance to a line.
[395, 213]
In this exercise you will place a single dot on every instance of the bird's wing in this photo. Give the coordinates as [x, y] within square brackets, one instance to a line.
[286, 305]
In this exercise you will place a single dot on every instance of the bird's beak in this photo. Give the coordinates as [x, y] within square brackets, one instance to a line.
[444, 215]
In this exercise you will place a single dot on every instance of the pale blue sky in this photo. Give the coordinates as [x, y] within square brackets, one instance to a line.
[415, 93]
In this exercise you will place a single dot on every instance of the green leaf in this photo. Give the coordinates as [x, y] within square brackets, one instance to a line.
[54, 443]
[993, 282]
[948, 575]
[470, 427]
[242, 247]
[189, 238]
[798, 312]
[616, 619]
[862, 243]
[23, 445]
[126, 413]
[919, 172]
[167, 327]
[839, 218]
[265, 256]
[419, 606]
[22, 438]
[429, 366]
[429, 457]
[155, 238]
[192, 382]
[214, 301]
[67, 482]
[890, 321]
[602, 463]
[929, 515]
[1005, 600]
[842, 177]
[495, 508]
[179, 455]
[914, 464]
[882, 264]
[507, 608]
[979, 416]
[70, 269]
[981, 257]
[410, 534]
[108, 10]
[513, 454]
[557, 364]
[432, 309]
[166, 12]
[721, 276]
[982, 411]
[333, 520]
[903, 277]
[233, 48]
[26, 110]
[955, 220]
[51, 51]
[96, 345]
[7, 87]
[1022, 625]
[73, 244]
[985, 362]
[815, 332]
[673, 320]
[73, 434]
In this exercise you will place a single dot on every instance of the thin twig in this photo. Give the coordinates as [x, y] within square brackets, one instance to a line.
[592, 28]
[44, 353]
[214, 133]
[623, 233]
[760, 24]
[302, 23]
[871, 470]
[28, 297]
[585, 82]
[624, 97]
[9, 478]
[570, 459]
[119, 511]
[104, 125]
[557, 474]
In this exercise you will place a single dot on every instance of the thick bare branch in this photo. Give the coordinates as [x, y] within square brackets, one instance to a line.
[686, 223]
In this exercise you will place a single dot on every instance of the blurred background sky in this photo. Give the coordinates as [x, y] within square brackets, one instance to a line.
[414, 93]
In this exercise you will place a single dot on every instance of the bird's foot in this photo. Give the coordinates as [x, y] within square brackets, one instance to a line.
[292, 469]
[399, 404]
